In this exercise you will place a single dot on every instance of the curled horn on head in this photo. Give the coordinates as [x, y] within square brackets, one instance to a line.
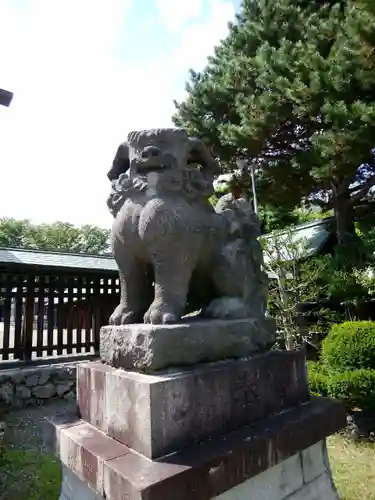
[120, 162]
[198, 153]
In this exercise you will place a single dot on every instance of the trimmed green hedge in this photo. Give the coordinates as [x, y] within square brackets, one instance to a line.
[355, 388]
[350, 346]
[347, 367]
[317, 379]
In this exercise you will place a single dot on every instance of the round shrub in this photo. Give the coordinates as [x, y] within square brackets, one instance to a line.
[350, 346]
[355, 388]
[317, 379]
[318, 384]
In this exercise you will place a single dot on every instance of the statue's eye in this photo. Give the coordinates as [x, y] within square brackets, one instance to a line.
[149, 151]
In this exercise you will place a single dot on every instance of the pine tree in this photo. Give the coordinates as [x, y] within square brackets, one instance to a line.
[292, 89]
[341, 157]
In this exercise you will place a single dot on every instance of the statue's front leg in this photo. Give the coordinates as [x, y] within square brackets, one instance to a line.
[173, 266]
[171, 230]
[136, 292]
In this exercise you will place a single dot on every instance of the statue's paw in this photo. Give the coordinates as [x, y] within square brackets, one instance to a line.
[159, 314]
[123, 316]
[227, 308]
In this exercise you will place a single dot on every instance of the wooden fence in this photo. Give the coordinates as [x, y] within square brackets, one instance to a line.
[45, 316]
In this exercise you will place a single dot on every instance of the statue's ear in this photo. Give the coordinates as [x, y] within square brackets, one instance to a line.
[198, 153]
[120, 162]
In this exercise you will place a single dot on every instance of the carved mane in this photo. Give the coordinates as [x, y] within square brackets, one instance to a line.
[189, 182]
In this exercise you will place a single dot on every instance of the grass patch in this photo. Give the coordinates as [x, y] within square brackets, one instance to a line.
[27, 474]
[353, 467]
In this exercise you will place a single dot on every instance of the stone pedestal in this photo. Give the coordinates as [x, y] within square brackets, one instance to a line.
[236, 429]
[147, 348]
[159, 414]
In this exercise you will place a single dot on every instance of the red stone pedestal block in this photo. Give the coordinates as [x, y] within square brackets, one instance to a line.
[159, 414]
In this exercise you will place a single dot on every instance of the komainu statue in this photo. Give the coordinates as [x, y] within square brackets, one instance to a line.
[177, 254]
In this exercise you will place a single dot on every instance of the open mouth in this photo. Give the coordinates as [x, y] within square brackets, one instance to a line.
[151, 166]
[151, 159]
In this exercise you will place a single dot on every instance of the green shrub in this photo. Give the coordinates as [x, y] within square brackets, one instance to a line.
[355, 388]
[317, 378]
[350, 346]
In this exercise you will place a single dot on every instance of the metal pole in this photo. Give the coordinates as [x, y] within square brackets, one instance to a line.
[243, 166]
[253, 185]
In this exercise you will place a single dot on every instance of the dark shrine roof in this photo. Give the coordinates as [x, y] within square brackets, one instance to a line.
[41, 258]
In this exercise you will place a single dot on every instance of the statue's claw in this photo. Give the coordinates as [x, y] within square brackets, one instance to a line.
[160, 314]
[122, 316]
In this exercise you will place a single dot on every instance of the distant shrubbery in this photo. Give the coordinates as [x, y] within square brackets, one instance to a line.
[350, 346]
[346, 370]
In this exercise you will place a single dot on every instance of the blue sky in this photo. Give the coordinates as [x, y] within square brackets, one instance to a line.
[85, 73]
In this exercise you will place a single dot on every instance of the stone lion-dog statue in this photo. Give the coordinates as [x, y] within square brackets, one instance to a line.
[175, 252]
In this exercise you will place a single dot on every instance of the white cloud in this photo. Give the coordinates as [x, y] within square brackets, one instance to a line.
[75, 100]
[176, 14]
[198, 40]
[53, 136]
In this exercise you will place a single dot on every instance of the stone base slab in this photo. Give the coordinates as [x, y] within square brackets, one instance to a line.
[148, 348]
[215, 467]
[157, 414]
[293, 479]
[73, 488]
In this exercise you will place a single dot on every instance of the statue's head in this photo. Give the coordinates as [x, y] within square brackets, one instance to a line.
[167, 158]
[159, 150]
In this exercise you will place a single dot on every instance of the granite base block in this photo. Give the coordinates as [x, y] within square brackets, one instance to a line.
[158, 414]
[286, 480]
[227, 467]
[148, 348]
[73, 488]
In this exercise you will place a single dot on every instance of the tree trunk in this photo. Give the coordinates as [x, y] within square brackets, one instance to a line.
[344, 212]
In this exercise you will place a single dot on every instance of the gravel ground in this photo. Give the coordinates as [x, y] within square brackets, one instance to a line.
[24, 428]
